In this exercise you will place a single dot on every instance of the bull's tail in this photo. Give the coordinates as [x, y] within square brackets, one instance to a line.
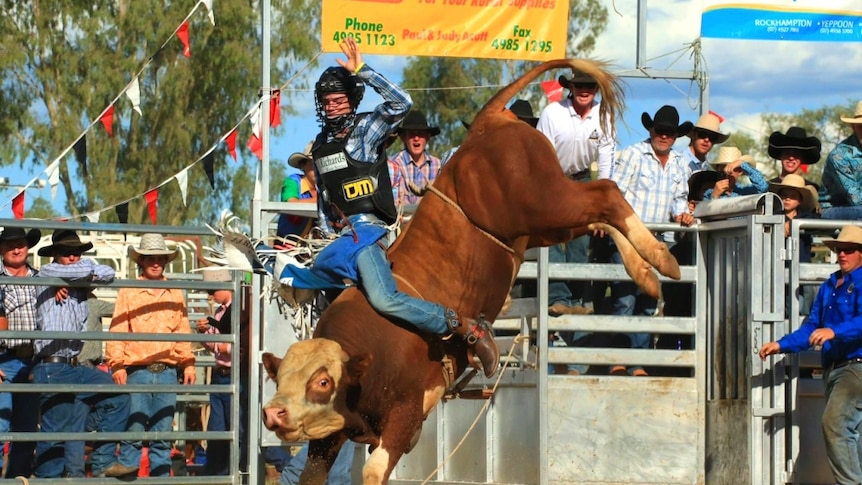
[609, 86]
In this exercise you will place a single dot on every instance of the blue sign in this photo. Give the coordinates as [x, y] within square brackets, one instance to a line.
[783, 20]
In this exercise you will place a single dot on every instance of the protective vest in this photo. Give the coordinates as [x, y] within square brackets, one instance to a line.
[353, 186]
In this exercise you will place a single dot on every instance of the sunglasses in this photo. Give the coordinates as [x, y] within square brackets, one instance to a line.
[665, 131]
[585, 85]
[846, 249]
[703, 134]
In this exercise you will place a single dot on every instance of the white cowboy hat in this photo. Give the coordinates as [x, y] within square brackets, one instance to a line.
[797, 183]
[709, 122]
[857, 116]
[729, 155]
[152, 244]
[296, 159]
[848, 235]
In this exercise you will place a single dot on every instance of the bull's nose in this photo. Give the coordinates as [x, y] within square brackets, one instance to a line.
[273, 417]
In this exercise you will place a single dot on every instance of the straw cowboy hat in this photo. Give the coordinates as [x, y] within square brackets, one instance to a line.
[522, 109]
[848, 235]
[152, 244]
[797, 183]
[14, 233]
[795, 139]
[416, 121]
[296, 159]
[857, 116]
[65, 239]
[729, 155]
[577, 78]
[709, 122]
[666, 117]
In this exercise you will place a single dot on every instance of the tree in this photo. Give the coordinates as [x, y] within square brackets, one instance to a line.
[63, 63]
[471, 82]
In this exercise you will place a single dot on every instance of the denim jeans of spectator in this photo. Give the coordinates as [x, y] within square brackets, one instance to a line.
[569, 293]
[17, 414]
[218, 451]
[339, 474]
[842, 423]
[629, 300]
[377, 282]
[150, 411]
[846, 213]
[61, 412]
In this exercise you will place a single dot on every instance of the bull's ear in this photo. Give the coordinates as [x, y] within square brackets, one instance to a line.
[357, 366]
[271, 363]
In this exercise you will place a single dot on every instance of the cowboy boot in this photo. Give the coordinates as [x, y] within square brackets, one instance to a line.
[479, 337]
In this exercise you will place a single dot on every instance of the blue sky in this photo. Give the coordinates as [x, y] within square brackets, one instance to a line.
[747, 78]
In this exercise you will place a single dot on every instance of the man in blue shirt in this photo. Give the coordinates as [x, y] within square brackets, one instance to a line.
[835, 325]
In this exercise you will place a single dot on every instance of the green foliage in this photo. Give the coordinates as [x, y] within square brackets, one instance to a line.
[63, 63]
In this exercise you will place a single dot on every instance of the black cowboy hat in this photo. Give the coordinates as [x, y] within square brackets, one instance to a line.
[12, 233]
[795, 139]
[666, 117]
[522, 109]
[415, 120]
[577, 78]
[700, 182]
[65, 238]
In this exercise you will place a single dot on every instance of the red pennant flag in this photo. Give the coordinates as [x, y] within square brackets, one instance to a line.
[152, 198]
[553, 90]
[18, 206]
[720, 118]
[231, 143]
[107, 120]
[804, 168]
[183, 34]
[275, 109]
[255, 144]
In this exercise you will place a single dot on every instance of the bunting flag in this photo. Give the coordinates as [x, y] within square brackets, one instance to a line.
[107, 120]
[255, 144]
[209, 162]
[93, 217]
[209, 5]
[720, 118]
[152, 198]
[553, 90]
[275, 108]
[122, 211]
[133, 92]
[231, 144]
[18, 205]
[183, 34]
[81, 152]
[183, 181]
[53, 173]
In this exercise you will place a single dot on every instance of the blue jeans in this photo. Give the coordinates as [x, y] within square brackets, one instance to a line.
[375, 276]
[17, 414]
[218, 452]
[842, 423]
[339, 474]
[850, 213]
[154, 412]
[61, 412]
[569, 292]
[628, 300]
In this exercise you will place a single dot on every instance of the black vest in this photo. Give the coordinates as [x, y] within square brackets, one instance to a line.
[354, 187]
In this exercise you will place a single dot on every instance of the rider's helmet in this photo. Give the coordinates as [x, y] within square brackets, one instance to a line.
[337, 80]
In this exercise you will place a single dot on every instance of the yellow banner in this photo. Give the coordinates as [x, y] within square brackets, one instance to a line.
[532, 30]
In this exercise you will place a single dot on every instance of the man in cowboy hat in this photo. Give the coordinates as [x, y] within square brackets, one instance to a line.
[64, 309]
[704, 135]
[841, 192]
[793, 149]
[298, 188]
[18, 313]
[730, 165]
[652, 177]
[835, 324]
[413, 166]
[151, 310]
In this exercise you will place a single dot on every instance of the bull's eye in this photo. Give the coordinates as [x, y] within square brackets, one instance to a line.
[323, 384]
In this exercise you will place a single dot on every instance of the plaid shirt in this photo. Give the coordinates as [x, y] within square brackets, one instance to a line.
[19, 307]
[402, 169]
[656, 193]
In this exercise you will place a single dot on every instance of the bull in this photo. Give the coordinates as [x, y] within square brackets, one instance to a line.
[373, 381]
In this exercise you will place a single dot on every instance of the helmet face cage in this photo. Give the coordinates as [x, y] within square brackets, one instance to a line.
[337, 80]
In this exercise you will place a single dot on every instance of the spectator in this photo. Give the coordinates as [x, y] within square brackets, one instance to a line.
[64, 309]
[414, 167]
[151, 310]
[298, 188]
[794, 149]
[705, 134]
[653, 178]
[218, 456]
[731, 164]
[18, 312]
[573, 128]
[834, 325]
[350, 149]
[841, 193]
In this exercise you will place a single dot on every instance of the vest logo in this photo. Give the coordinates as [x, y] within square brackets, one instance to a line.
[331, 163]
[357, 189]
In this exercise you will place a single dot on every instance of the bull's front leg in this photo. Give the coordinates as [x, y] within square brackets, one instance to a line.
[321, 455]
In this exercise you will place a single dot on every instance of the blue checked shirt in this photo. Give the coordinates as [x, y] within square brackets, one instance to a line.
[758, 184]
[656, 193]
[372, 128]
[402, 169]
[842, 175]
[19, 306]
[69, 315]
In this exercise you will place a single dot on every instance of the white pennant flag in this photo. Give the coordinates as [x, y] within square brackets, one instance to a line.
[209, 5]
[254, 119]
[134, 94]
[183, 180]
[53, 173]
[93, 217]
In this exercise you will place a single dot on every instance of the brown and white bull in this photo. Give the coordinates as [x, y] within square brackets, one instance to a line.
[374, 381]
